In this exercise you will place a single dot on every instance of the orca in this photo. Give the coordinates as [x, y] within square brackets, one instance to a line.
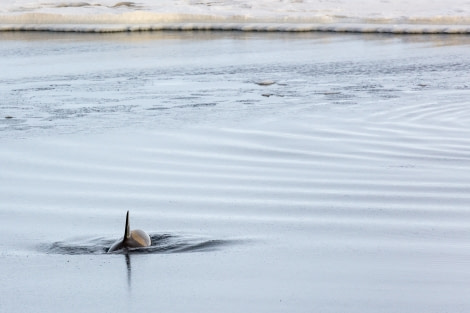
[132, 239]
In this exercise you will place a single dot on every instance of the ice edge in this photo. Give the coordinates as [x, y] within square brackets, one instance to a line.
[244, 27]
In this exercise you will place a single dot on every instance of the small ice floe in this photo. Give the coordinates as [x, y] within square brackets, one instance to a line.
[72, 5]
[124, 4]
[265, 82]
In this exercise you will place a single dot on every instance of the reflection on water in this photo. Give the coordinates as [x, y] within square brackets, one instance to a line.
[203, 35]
[129, 269]
[161, 243]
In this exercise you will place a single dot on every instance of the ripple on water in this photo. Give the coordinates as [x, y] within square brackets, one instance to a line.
[161, 243]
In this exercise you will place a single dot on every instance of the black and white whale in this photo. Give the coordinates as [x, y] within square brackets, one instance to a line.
[132, 238]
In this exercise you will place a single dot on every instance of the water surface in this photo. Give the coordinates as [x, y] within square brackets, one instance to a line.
[302, 171]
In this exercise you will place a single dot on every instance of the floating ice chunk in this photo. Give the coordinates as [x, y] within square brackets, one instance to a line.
[265, 82]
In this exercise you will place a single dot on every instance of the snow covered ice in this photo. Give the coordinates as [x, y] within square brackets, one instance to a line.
[351, 16]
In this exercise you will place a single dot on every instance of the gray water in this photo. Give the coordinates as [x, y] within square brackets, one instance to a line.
[68, 83]
[274, 172]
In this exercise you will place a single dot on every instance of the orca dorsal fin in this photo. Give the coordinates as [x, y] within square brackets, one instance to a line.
[127, 230]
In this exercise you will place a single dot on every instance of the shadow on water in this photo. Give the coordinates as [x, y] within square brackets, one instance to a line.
[161, 243]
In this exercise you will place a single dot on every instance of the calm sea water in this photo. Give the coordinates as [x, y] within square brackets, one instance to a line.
[274, 172]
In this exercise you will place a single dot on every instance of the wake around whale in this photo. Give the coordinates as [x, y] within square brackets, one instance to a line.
[132, 239]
